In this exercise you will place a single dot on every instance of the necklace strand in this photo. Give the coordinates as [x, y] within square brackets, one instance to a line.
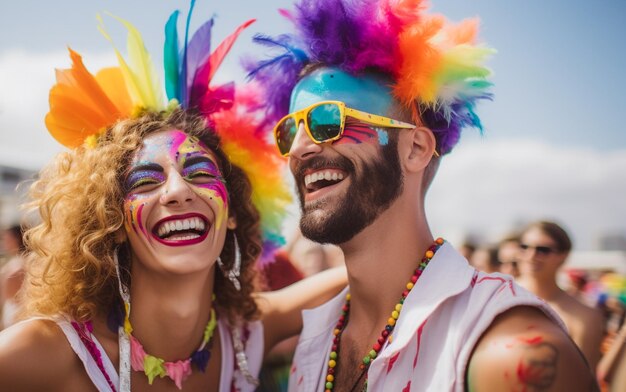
[385, 334]
[177, 371]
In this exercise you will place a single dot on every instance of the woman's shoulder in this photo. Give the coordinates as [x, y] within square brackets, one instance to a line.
[35, 355]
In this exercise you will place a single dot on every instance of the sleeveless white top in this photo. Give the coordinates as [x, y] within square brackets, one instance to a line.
[230, 379]
[442, 319]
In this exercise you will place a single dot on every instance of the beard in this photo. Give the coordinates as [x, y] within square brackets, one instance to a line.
[370, 193]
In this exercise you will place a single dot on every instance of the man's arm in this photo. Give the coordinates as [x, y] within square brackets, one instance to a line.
[524, 351]
[281, 310]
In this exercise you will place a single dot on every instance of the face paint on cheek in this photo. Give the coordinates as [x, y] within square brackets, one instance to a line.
[356, 132]
[133, 207]
[216, 191]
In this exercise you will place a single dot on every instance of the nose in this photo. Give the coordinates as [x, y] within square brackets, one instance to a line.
[303, 147]
[177, 191]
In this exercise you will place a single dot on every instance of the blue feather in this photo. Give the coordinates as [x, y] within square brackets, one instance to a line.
[170, 58]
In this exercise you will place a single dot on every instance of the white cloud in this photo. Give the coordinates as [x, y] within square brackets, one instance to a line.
[488, 187]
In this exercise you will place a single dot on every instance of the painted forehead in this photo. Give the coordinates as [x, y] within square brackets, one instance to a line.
[368, 93]
[176, 144]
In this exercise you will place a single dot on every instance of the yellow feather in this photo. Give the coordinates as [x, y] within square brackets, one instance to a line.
[140, 75]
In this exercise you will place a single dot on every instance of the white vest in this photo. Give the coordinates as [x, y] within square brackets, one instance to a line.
[441, 320]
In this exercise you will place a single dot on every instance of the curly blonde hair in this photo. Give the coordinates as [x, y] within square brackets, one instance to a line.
[79, 197]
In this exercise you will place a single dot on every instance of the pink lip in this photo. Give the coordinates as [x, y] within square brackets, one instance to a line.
[182, 242]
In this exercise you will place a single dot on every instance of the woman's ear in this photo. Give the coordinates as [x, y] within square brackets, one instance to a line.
[231, 224]
[420, 148]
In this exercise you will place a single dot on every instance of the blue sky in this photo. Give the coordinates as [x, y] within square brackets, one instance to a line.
[558, 77]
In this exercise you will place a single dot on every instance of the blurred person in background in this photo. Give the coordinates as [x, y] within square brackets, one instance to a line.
[544, 247]
[467, 248]
[11, 274]
[508, 254]
[485, 259]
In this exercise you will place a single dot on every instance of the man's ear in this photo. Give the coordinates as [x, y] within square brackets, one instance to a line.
[420, 148]
[231, 223]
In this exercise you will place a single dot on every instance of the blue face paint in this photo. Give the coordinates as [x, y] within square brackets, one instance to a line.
[383, 136]
[368, 93]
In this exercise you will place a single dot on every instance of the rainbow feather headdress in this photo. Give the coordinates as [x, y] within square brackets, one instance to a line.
[83, 106]
[436, 65]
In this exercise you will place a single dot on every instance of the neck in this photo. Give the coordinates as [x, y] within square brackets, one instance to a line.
[380, 261]
[545, 288]
[169, 314]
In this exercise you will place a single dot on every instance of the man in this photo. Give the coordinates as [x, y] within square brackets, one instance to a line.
[508, 253]
[375, 92]
[544, 248]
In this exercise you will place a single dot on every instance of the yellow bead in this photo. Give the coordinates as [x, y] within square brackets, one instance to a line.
[390, 338]
[398, 307]
[336, 332]
[391, 321]
[429, 254]
[395, 315]
[348, 297]
[332, 363]
[330, 378]
[409, 286]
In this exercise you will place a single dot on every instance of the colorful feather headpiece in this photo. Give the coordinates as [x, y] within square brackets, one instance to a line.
[83, 106]
[436, 66]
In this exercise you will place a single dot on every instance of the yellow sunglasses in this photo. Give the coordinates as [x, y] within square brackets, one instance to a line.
[324, 122]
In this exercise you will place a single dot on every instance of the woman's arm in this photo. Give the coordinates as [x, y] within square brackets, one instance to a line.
[281, 310]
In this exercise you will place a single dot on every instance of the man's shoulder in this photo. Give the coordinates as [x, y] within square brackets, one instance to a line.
[524, 349]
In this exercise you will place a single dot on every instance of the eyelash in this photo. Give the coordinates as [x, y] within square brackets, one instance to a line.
[143, 181]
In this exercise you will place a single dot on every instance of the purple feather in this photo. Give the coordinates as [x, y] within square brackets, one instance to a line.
[355, 35]
[198, 67]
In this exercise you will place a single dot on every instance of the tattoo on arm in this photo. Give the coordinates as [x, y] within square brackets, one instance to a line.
[537, 367]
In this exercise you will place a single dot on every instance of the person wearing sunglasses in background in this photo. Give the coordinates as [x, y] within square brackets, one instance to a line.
[544, 247]
[366, 97]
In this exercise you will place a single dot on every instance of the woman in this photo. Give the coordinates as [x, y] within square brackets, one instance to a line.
[144, 259]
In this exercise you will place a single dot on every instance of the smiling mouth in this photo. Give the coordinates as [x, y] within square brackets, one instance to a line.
[181, 230]
[322, 179]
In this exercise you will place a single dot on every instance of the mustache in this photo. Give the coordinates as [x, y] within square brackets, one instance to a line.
[316, 163]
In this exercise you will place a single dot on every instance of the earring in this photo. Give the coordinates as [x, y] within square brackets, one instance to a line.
[233, 273]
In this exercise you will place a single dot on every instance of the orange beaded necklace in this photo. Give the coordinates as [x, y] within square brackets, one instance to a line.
[384, 335]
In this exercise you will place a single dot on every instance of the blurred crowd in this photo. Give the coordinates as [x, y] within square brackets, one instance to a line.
[591, 303]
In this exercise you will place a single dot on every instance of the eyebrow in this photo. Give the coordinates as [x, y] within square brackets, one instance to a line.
[145, 166]
[198, 158]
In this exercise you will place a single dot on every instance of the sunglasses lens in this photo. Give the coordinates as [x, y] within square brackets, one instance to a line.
[285, 134]
[541, 250]
[544, 250]
[324, 122]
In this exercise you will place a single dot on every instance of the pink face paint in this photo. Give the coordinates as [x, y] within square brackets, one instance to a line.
[133, 206]
[356, 132]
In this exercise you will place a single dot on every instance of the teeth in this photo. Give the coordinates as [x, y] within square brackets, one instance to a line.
[182, 224]
[326, 175]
